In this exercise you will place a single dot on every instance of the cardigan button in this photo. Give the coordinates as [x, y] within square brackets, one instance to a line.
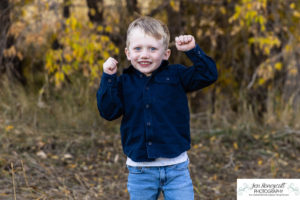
[109, 80]
[149, 143]
[148, 124]
[147, 106]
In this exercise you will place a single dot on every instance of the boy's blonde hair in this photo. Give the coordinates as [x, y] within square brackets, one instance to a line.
[152, 27]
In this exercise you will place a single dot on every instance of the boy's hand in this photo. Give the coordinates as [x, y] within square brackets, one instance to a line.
[185, 42]
[110, 66]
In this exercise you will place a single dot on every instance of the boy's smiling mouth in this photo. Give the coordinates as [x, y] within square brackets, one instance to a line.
[144, 63]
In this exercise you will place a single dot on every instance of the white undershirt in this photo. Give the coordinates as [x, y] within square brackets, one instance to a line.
[159, 162]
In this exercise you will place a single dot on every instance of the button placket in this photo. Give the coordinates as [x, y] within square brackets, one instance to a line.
[147, 106]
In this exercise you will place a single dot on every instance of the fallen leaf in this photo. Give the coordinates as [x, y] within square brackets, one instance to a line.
[259, 162]
[67, 156]
[41, 154]
[235, 146]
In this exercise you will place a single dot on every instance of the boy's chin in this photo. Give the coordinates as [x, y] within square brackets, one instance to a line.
[147, 73]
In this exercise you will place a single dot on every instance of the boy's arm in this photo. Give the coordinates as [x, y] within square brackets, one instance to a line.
[108, 95]
[203, 72]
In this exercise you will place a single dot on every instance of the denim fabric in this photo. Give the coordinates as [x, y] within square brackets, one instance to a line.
[155, 108]
[174, 181]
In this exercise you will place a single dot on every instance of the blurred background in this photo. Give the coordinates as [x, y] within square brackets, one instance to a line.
[51, 56]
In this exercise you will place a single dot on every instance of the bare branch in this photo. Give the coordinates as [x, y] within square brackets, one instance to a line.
[159, 8]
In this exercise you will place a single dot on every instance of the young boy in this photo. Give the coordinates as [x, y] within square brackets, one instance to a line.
[151, 96]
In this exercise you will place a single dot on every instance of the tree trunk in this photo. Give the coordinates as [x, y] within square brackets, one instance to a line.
[95, 11]
[66, 10]
[176, 27]
[4, 24]
[132, 7]
[9, 64]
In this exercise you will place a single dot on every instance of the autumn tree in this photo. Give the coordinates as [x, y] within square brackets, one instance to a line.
[10, 58]
[255, 44]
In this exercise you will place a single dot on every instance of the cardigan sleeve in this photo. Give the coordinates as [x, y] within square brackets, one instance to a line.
[109, 97]
[203, 72]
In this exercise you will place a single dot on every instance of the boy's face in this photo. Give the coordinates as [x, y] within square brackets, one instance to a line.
[145, 52]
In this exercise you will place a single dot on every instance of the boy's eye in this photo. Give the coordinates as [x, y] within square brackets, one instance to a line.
[137, 48]
[152, 48]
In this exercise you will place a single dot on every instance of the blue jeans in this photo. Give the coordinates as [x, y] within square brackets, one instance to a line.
[174, 181]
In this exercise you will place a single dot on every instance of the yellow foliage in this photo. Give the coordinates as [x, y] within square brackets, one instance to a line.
[67, 69]
[261, 81]
[292, 5]
[265, 43]
[288, 48]
[278, 66]
[83, 51]
[68, 57]
[296, 14]
[223, 10]
[90, 25]
[266, 71]
[235, 146]
[11, 52]
[108, 29]
[249, 13]
[92, 12]
[175, 5]
[105, 54]
[59, 78]
[100, 28]
[266, 50]
[293, 71]
[16, 29]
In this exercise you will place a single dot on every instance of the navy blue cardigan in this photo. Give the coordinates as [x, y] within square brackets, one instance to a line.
[155, 109]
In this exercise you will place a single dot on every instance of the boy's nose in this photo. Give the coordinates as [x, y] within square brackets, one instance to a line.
[145, 54]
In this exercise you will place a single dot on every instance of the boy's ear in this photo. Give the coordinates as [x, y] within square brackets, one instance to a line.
[167, 54]
[127, 54]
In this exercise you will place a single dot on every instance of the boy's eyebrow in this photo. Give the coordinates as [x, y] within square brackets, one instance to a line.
[151, 45]
[148, 47]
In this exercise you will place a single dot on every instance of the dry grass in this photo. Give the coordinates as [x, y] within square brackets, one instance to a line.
[63, 150]
[91, 165]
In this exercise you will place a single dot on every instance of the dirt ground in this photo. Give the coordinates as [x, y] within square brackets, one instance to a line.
[81, 164]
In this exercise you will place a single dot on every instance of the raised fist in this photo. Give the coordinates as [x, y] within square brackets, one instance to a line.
[110, 66]
[185, 42]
